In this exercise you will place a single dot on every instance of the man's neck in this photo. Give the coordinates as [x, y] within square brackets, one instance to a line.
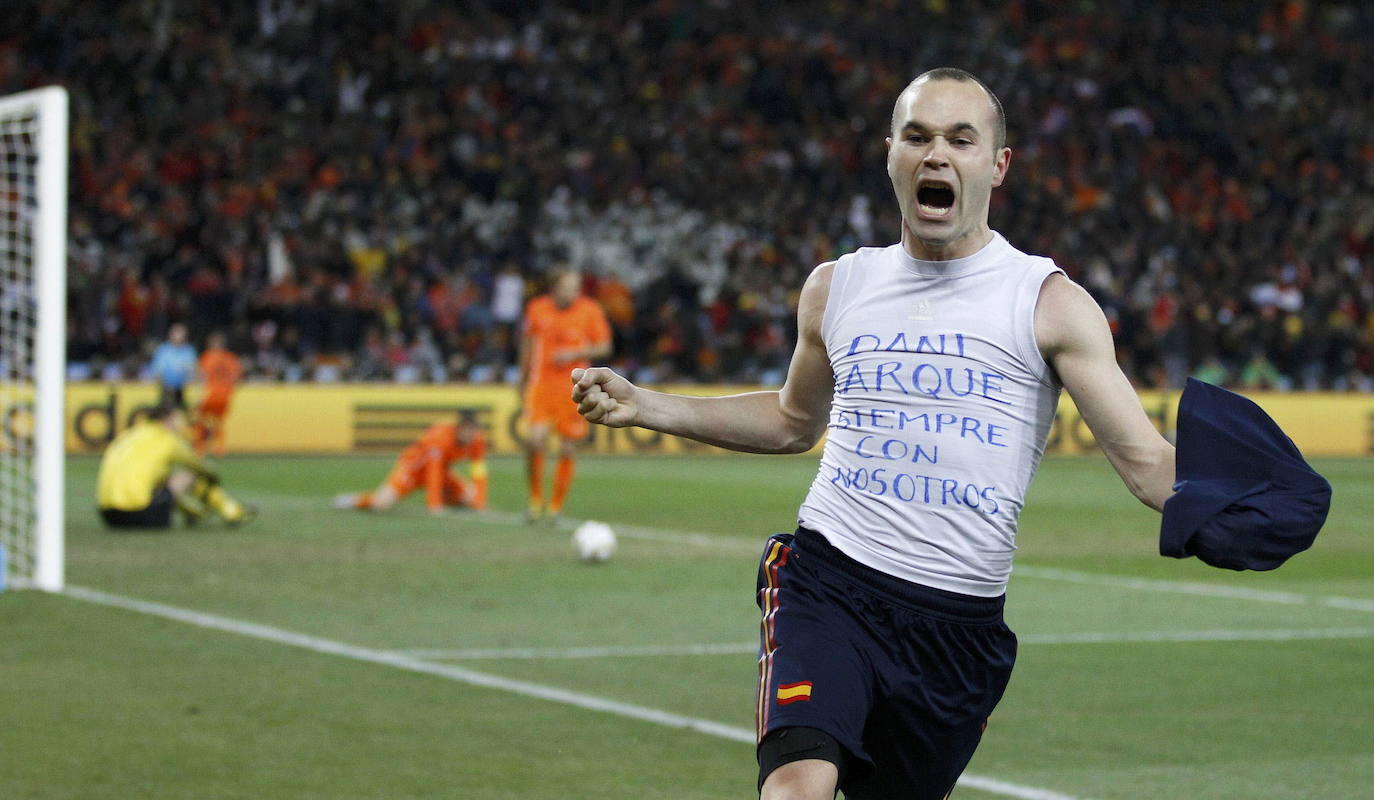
[962, 247]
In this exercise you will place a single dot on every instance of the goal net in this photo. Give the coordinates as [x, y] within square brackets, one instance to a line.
[33, 279]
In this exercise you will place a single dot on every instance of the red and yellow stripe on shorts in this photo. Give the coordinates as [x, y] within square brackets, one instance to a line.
[773, 560]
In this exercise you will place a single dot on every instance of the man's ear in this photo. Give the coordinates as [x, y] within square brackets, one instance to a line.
[1003, 163]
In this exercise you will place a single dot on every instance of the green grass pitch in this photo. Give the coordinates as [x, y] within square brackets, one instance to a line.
[1138, 676]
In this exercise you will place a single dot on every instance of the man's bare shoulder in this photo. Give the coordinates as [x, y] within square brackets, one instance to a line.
[819, 279]
[1065, 315]
[814, 295]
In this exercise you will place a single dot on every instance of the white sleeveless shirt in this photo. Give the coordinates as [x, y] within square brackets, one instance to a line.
[941, 409]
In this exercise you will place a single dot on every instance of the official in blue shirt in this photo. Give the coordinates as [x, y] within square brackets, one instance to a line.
[174, 364]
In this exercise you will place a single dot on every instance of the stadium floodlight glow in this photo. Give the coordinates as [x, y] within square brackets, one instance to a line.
[33, 288]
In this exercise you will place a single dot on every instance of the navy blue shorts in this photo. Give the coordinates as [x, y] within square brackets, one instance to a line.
[903, 676]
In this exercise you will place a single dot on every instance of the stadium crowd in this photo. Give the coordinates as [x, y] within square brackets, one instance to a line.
[371, 190]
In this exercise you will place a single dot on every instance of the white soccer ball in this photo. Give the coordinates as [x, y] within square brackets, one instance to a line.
[593, 542]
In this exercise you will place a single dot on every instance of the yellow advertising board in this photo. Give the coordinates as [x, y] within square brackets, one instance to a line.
[1319, 423]
[321, 418]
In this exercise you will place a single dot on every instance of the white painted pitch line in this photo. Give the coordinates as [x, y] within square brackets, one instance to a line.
[623, 530]
[724, 543]
[1352, 603]
[1201, 589]
[609, 651]
[744, 648]
[1145, 637]
[994, 786]
[409, 663]
[473, 678]
[732, 544]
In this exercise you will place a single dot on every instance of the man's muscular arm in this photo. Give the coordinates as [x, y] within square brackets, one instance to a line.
[790, 420]
[1074, 338]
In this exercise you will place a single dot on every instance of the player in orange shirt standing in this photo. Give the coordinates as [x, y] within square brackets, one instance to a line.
[563, 331]
[426, 463]
[221, 370]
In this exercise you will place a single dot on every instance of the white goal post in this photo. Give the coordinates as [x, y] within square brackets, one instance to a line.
[33, 332]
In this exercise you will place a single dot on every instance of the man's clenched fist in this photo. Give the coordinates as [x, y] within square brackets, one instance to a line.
[604, 397]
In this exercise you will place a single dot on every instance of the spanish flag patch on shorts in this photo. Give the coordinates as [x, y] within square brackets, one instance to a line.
[794, 692]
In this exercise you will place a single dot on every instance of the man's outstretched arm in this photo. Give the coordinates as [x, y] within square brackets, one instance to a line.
[1073, 336]
[790, 420]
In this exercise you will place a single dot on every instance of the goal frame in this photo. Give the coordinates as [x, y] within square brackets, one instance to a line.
[50, 104]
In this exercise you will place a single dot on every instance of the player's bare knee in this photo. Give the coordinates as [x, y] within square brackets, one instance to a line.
[810, 779]
[536, 439]
[179, 481]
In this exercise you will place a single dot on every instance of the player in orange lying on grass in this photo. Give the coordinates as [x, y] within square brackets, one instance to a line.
[563, 331]
[221, 370]
[426, 463]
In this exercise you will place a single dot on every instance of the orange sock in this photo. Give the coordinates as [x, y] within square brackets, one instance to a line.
[562, 481]
[363, 501]
[534, 462]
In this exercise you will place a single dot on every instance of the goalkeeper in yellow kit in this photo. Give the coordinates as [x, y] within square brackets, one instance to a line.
[150, 469]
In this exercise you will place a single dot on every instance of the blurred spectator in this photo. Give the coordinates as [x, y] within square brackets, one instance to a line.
[1213, 371]
[1260, 374]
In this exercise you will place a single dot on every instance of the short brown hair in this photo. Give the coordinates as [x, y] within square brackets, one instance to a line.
[956, 74]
